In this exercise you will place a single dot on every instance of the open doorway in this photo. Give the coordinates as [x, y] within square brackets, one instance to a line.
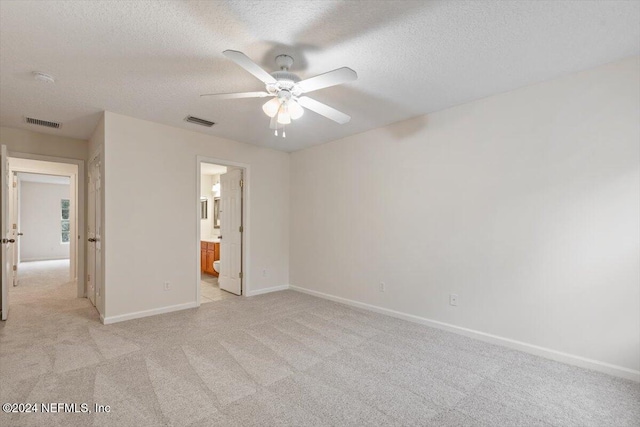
[41, 210]
[220, 231]
[45, 211]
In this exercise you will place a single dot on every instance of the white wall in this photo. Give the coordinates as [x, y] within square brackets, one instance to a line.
[26, 141]
[40, 221]
[525, 204]
[151, 236]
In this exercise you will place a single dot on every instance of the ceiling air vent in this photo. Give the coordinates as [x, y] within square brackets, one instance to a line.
[45, 123]
[199, 121]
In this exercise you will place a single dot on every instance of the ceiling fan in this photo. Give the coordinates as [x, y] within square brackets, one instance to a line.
[287, 90]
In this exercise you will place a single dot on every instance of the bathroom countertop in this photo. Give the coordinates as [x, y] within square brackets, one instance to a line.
[210, 239]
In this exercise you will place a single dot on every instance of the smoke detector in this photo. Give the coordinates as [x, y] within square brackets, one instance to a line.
[42, 77]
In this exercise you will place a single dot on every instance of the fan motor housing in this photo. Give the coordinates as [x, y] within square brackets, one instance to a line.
[285, 81]
[285, 75]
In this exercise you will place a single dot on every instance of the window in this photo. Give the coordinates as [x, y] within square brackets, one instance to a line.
[64, 220]
[204, 208]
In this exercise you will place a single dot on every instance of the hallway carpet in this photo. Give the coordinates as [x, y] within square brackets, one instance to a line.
[284, 358]
[41, 274]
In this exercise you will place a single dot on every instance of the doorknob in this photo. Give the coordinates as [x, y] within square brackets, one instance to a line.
[20, 234]
[8, 240]
[91, 239]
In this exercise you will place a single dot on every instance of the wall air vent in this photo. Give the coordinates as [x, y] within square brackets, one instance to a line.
[45, 123]
[199, 121]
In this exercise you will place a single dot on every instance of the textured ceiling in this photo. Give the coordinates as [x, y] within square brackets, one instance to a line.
[151, 59]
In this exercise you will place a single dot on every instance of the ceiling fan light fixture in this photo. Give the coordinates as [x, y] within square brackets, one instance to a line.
[284, 118]
[295, 110]
[271, 107]
[288, 91]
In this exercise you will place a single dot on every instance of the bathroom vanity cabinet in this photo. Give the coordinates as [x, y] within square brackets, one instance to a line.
[209, 252]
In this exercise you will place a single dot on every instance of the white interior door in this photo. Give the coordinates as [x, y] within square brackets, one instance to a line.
[91, 235]
[97, 273]
[230, 278]
[14, 213]
[5, 237]
[94, 223]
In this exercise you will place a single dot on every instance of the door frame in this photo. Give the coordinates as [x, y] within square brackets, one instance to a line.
[79, 184]
[246, 258]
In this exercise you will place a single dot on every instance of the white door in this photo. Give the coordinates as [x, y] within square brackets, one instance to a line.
[230, 278]
[98, 209]
[5, 237]
[93, 231]
[91, 234]
[98, 234]
[14, 213]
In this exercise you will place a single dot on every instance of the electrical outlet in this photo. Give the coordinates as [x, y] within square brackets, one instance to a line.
[453, 299]
[382, 287]
[167, 286]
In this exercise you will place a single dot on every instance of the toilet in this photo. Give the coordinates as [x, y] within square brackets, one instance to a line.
[216, 266]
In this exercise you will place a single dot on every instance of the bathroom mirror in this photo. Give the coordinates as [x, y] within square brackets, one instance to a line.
[204, 208]
[216, 212]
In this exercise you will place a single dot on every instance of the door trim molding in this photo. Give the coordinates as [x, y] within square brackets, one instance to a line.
[80, 209]
[246, 223]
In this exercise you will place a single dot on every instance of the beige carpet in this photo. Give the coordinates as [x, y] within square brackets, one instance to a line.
[39, 274]
[283, 359]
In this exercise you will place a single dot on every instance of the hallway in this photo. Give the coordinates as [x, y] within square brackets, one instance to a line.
[45, 293]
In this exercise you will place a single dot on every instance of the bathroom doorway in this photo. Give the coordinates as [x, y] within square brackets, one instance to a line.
[220, 230]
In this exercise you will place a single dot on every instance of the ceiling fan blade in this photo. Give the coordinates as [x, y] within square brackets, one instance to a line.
[324, 110]
[237, 95]
[331, 78]
[243, 60]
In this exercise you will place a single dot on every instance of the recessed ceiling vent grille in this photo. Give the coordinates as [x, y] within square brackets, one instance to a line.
[199, 121]
[45, 123]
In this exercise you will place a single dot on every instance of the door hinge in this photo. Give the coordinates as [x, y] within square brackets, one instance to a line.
[15, 184]
[241, 183]
[240, 229]
[15, 226]
[240, 275]
[15, 268]
[88, 277]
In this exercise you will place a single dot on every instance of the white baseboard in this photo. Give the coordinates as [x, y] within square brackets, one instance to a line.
[43, 259]
[267, 290]
[146, 313]
[571, 359]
